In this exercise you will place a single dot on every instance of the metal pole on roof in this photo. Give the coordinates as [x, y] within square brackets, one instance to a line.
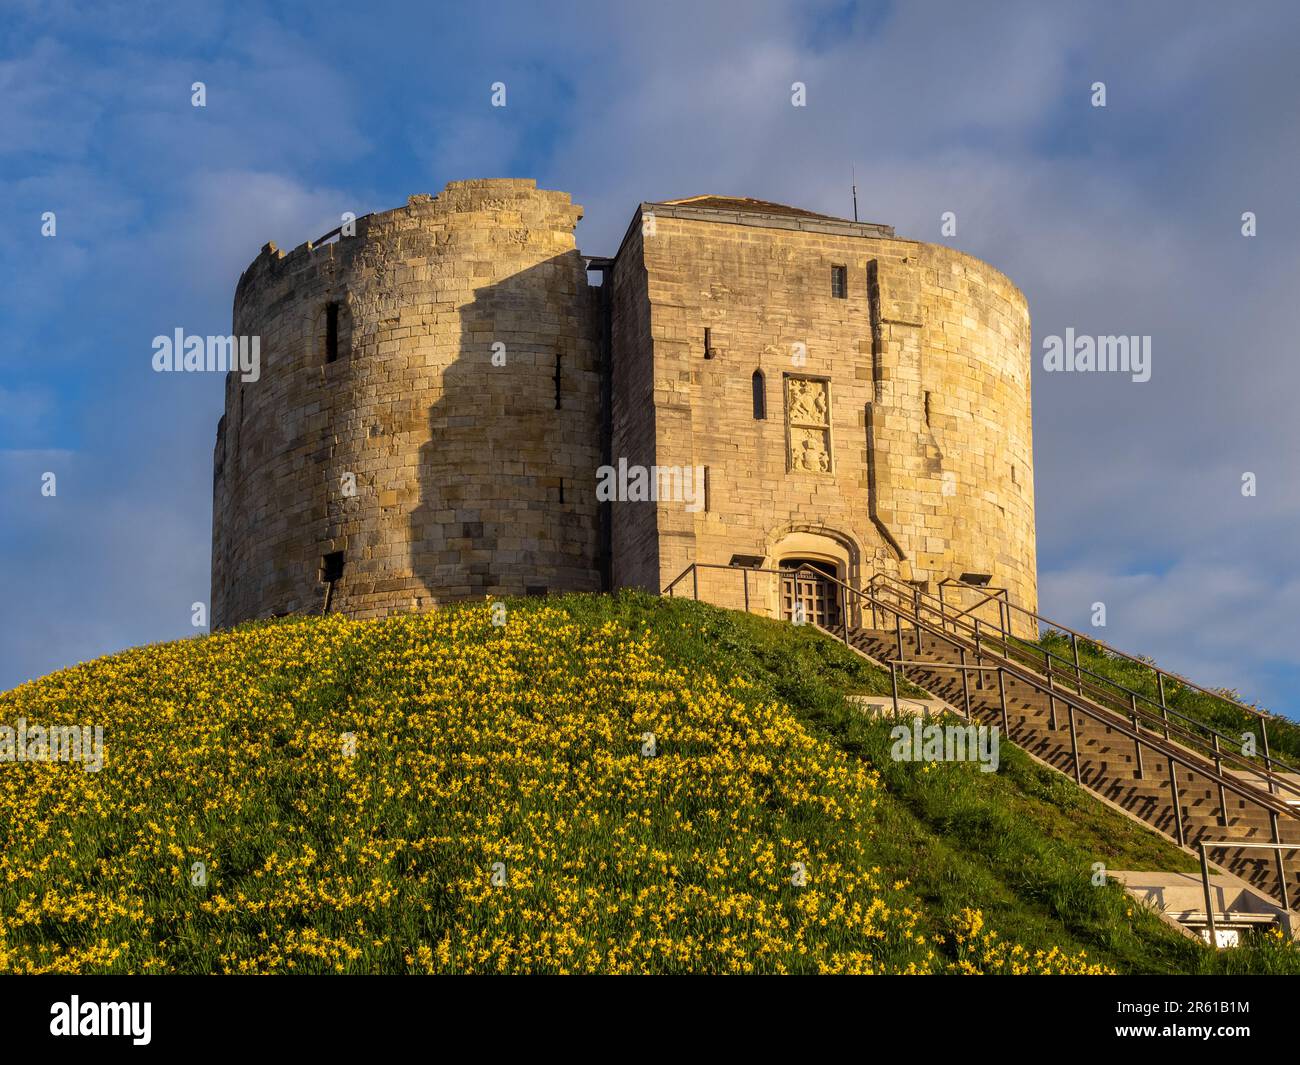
[855, 193]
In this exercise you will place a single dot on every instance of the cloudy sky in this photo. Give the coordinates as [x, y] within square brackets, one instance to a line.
[1125, 219]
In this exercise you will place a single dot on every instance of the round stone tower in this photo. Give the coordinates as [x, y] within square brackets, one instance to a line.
[427, 415]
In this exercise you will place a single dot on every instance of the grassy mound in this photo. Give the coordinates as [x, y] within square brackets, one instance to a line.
[611, 784]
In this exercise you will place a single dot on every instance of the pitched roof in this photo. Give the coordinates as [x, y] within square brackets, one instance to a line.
[746, 203]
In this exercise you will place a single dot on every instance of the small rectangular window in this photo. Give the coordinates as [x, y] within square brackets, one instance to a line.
[840, 282]
[331, 567]
[708, 343]
[558, 380]
[331, 332]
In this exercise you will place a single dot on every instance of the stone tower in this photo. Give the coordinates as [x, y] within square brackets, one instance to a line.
[858, 401]
[441, 391]
[427, 419]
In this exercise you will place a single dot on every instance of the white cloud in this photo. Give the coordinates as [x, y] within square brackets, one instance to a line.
[1123, 220]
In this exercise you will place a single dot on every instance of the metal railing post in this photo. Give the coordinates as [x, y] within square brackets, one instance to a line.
[1218, 768]
[1074, 744]
[1240, 845]
[1078, 673]
[1281, 867]
[1002, 697]
[1173, 793]
[1268, 761]
[746, 575]
[695, 582]
[965, 682]
[1137, 746]
[1051, 702]
[898, 632]
[1209, 901]
[844, 615]
[893, 683]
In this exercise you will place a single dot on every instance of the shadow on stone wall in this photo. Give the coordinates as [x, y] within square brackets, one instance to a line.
[506, 480]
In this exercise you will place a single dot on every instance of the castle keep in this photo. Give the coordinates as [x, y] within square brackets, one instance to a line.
[440, 391]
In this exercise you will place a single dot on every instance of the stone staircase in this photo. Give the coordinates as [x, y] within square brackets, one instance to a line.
[1179, 899]
[1103, 751]
[1172, 772]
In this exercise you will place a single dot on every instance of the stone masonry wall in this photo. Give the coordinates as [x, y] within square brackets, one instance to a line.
[468, 479]
[635, 531]
[896, 435]
[897, 438]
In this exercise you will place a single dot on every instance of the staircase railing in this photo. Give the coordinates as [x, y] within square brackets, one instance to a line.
[894, 603]
[1215, 744]
[1204, 846]
[1220, 746]
[1163, 678]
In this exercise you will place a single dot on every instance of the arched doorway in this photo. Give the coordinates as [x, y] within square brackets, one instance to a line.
[809, 592]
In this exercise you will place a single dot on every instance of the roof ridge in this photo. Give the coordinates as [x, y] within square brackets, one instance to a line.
[750, 203]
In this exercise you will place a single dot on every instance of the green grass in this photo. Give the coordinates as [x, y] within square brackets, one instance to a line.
[1019, 844]
[477, 744]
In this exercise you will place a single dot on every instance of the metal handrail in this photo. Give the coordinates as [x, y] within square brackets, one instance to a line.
[1165, 711]
[913, 590]
[1269, 769]
[1024, 672]
[1206, 845]
[1174, 754]
[883, 605]
[1100, 714]
[1216, 752]
[999, 595]
[1104, 716]
[896, 664]
[1077, 669]
[1105, 681]
[1160, 673]
[1264, 800]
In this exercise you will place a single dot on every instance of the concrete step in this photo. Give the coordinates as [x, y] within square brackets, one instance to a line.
[1179, 899]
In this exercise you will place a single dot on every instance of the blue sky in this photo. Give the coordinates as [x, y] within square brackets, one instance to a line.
[1115, 220]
